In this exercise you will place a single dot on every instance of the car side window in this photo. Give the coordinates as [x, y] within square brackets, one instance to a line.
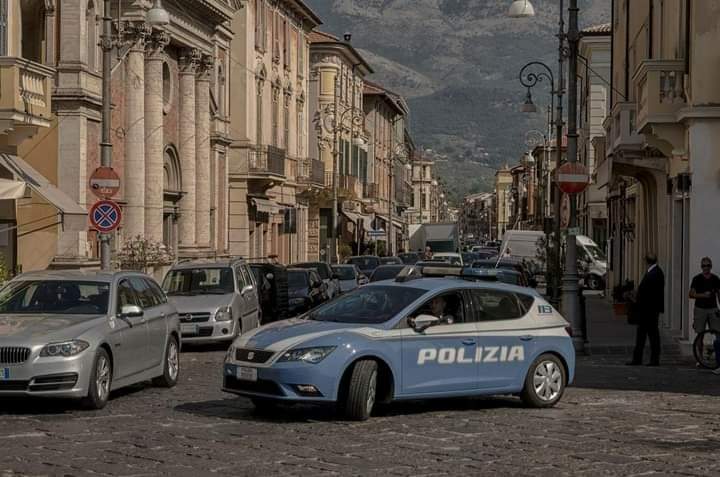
[157, 292]
[125, 295]
[143, 292]
[495, 305]
[449, 307]
[247, 276]
[240, 278]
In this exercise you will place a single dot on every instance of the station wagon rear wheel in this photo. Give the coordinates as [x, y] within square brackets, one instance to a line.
[100, 382]
[545, 382]
[362, 390]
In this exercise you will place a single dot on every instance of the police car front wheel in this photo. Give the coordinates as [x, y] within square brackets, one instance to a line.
[362, 391]
[545, 382]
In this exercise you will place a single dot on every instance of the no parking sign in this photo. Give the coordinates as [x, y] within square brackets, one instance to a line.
[105, 216]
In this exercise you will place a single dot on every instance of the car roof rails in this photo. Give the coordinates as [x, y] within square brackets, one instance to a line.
[414, 272]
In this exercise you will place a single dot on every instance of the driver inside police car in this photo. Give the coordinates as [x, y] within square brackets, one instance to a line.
[438, 307]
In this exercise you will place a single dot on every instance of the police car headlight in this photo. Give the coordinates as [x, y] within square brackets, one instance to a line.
[308, 355]
[224, 314]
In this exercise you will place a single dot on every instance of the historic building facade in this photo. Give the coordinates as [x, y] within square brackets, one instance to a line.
[270, 171]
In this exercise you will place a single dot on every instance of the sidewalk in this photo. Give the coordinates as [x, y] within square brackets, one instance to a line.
[611, 335]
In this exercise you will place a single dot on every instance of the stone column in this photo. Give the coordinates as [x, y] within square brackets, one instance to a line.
[202, 154]
[189, 61]
[154, 140]
[134, 166]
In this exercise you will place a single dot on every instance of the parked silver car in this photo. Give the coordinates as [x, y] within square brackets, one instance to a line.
[348, 276]
[83, 334]
[216, 300]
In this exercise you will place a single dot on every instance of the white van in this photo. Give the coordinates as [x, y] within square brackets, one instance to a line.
[530, 245]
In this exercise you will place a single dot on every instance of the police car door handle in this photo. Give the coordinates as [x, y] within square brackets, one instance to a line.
[468, 342]
[527, 338]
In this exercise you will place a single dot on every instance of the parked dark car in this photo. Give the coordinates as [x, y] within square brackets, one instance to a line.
[390, 261]
[272, 281]
[365, 263]
[386, 272]
[508, 264]
[410, 258]
[326, 274]
[306, 290]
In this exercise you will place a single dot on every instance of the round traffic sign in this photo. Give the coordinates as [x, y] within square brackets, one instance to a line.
[105, 216]
[572, 178]
[104, 182]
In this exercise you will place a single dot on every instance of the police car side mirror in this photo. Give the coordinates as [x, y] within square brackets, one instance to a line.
[421, 323]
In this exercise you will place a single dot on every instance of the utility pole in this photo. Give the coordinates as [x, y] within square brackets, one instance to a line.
[335, 178]
[570, 299]
[105, 144]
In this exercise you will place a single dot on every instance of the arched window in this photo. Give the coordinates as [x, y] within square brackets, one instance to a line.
[172, 178]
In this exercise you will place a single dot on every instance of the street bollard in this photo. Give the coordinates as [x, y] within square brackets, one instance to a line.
[583, 317]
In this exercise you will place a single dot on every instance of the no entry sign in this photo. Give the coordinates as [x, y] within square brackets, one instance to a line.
[104, 182]
[572, 178]
[105, 216]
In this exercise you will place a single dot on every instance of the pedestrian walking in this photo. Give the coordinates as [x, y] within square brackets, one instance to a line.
[649, 304]
[704, 289]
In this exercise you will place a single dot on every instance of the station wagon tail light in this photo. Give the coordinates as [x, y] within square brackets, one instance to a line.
[224, 314]
[308, 355]
[64, 349]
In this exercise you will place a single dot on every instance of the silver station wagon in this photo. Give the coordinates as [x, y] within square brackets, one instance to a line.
[83, 334]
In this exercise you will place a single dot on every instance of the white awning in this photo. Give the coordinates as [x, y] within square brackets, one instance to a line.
[363, 220]
[266, 206]
[73, 216]
[11, 189]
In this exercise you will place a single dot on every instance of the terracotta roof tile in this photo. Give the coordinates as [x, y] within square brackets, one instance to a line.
[322, 37]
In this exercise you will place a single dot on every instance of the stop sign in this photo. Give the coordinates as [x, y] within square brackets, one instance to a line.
[572, 177]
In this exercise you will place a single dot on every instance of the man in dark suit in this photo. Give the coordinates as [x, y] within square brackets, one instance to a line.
[649, 304]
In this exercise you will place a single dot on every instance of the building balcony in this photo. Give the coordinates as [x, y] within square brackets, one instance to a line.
[348, 186]
[620, 131]
[267, 162]
[311, 173]
[370, 192]
[25, 98]
[660, 92]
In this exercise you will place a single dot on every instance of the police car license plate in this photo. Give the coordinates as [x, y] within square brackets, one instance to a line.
[4, 374]
[189, 329]
[246, 374]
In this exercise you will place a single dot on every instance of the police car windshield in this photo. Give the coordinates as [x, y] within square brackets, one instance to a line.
[367, 305]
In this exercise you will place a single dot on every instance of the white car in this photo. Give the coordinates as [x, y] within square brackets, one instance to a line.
[451, 258]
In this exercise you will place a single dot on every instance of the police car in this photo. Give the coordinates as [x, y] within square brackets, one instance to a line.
[430, 333]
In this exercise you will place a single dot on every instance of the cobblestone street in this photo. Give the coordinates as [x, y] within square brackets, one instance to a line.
[615, 420]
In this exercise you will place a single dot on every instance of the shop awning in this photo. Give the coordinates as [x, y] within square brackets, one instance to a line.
[73, 216]
[266, 206]
[363, 220]
[10, 190]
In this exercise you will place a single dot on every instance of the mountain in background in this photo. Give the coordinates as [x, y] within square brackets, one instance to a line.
[457, 63]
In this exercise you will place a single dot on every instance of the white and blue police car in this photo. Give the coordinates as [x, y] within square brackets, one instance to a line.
[436, 332]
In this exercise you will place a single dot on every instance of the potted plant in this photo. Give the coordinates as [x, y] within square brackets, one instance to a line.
[140, 254]
[621, 295]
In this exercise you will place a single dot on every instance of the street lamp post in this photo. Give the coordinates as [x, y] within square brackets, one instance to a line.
[332, 119]
[570, 287]
[530, 79]
[156, 17]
